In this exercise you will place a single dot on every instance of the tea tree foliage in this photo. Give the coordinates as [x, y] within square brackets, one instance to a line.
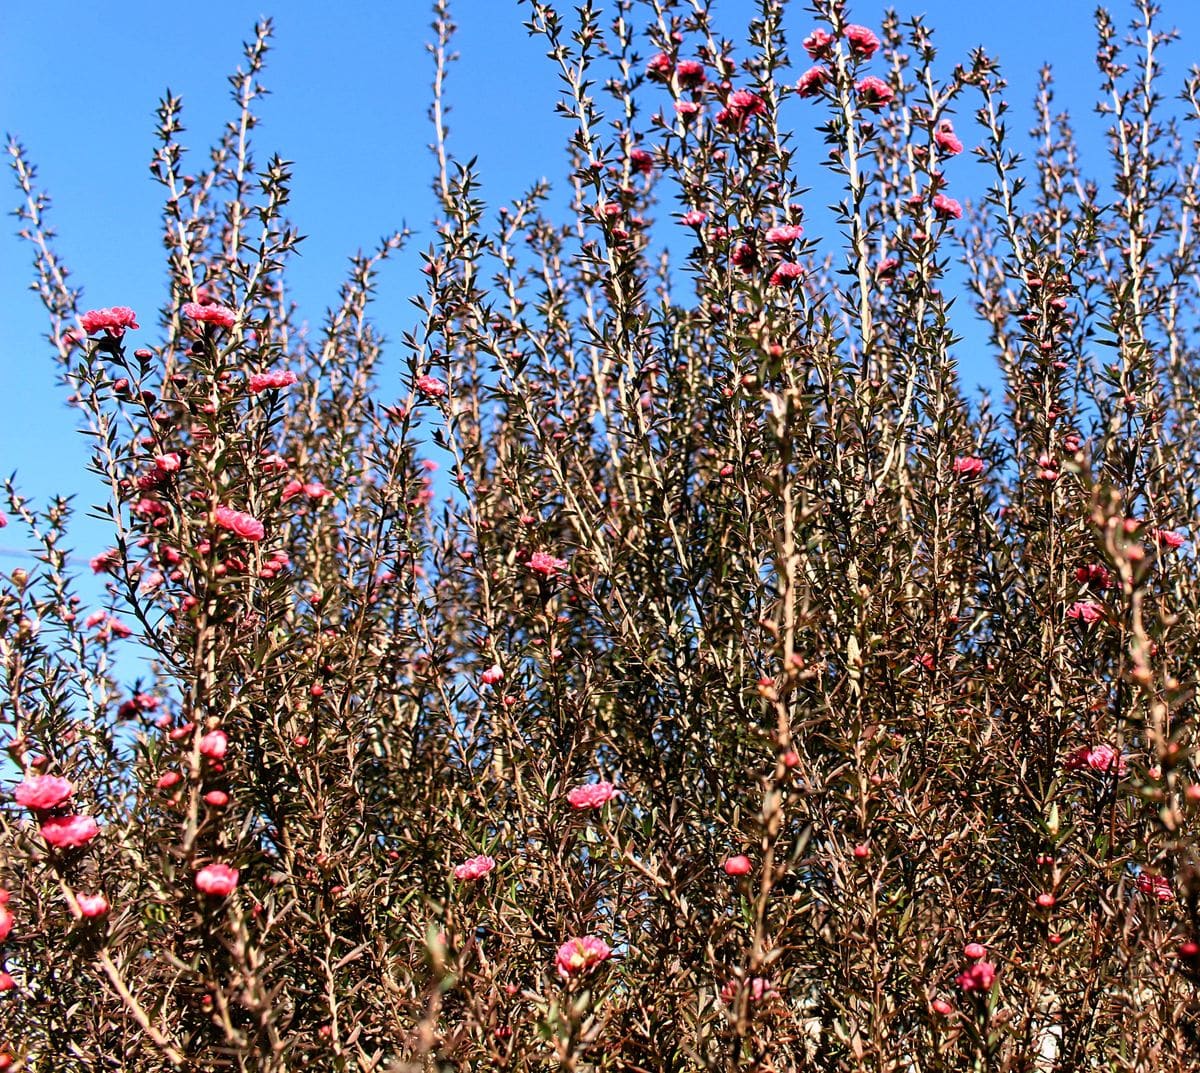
[661, 662]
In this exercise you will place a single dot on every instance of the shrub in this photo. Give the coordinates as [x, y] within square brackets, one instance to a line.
[743, 693]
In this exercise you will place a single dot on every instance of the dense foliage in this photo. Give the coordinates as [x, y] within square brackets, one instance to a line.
[660, 663]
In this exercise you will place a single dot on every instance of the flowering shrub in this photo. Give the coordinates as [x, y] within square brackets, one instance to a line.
[897, 683]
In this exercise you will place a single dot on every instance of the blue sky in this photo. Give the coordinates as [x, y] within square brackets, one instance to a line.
[349, 81]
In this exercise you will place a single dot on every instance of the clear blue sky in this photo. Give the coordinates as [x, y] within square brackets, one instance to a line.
[79, 83]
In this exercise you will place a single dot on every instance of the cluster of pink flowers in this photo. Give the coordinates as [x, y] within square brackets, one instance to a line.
[217, 880]
[1158, 887]
[42, 794]
[276, 563]
[1101, 758]
[474, 868]
[688, 73]
[272, 381]
[591, 795]
[114, 321]
[968, 466]
[980, 974]
[577, 957]
[219, 315]
[313, 490]
[239, 523]
[977, 977]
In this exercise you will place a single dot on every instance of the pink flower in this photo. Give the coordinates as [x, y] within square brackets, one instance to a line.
[474, 868]
[41, 793]
[819, 43]
[214, 745]
[273, 463]
[591, 795]
[431, 386]
[787, 272]
[737, 866]
[1097, 757]
[92, 905]
[1094, 574]
[274, 380]
[216, 798]
[975, 951]
[947, 141]
[641, 161]
[968, 466]
[946, 208]
[874, 92]
[106, 562]
[757, 988]
[812, 80]
[117, 628]
[746, 102]
[217, 879]
[694, 218]
[1088, 611]
[1157, 886]
[69, 832]
[310, 489]
[7, 983]
[1170, 539]
[687, 109]
[977, 977]
[114, 321]
[784, 234]
[690, 73]
[744, 257]
[739, 107]
[659, 67]
[492, 675]
[6, 922]
[863, 42]
[547, 565]
[221, 316]
[578, 956]
[240, 523]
